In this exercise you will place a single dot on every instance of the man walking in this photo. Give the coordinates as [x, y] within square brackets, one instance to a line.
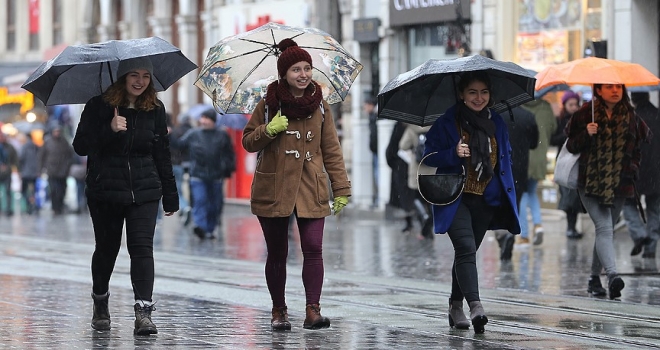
[212, 159]
[646, 237]
[56, 158]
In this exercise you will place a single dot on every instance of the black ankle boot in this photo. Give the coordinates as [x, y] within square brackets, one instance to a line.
[101, 316]
[409, 224]
[595, 288]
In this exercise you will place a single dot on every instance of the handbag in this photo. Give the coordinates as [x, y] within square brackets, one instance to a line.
[440, 189]
[566, 168]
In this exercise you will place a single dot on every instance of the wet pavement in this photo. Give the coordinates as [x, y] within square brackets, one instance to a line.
[383, 289]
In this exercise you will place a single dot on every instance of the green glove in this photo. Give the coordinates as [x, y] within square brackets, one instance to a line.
[339, 204]
[278, 124]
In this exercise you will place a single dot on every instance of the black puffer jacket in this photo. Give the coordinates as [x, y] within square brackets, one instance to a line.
[126, 167]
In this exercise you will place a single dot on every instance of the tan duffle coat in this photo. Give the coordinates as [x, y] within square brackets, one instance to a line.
[298, 168]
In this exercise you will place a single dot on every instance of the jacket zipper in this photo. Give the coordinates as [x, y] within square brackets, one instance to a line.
[130, 146]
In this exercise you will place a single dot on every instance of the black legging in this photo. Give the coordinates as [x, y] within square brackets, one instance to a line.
[108, 220]
[466, 232]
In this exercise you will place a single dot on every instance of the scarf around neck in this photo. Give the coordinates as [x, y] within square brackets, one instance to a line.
[607, 154]
[279, 97]
[480, 128]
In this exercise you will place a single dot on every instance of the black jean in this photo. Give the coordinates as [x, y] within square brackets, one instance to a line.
[466, 232]
[108, 220]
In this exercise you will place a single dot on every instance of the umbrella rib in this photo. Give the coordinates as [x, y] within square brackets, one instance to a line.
[327, 77]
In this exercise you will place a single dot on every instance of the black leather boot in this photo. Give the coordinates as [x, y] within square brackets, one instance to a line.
[101, 317]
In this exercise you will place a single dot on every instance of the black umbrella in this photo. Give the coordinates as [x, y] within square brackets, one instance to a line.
[423, 94]
[81, 72]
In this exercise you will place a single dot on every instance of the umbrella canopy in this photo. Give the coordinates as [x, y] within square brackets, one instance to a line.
[238, 69]
[594, 70]
[81, 72]
[423, 94]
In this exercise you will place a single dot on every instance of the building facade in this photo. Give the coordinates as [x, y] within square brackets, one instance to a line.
[387, 36]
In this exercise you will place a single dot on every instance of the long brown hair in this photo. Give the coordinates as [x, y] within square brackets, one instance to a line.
[116, 95]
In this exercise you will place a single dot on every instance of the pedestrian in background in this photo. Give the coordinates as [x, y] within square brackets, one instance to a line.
[370, 110]
[212, 160]
[29, 171]
[569, 200]
[645, 236]
[538, 169]
[401, 195]
[181, 165]
[124, 134]
[56, 158]
[523, 136]
[300, 167]
[8, 162]
[472, 135]
[410, 143]
[608, 140]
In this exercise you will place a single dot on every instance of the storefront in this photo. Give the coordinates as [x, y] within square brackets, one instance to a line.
[431, 29]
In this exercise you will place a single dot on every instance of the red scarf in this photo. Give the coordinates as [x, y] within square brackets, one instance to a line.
[278, 96]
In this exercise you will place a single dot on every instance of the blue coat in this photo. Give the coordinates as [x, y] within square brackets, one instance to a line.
[443, 138]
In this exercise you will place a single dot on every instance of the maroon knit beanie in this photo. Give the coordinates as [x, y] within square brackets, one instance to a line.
[290, 54]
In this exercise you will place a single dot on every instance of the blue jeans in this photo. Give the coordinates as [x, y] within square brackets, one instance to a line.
[178, 171]
[604, 218]
[208, 198]
[529, 199]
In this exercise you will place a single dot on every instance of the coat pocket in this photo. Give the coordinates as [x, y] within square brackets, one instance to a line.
[263, 187]
[323, 188]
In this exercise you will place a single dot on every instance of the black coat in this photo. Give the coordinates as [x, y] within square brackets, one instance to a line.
[649, 172]
[126, 167]
[401, 195]
[523, 136]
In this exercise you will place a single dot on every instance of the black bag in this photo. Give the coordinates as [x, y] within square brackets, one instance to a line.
[440, 189]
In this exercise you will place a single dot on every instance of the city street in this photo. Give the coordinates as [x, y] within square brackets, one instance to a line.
[383, 289]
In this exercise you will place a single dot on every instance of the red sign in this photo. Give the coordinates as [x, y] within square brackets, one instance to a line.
[261, 20]
[34, 16]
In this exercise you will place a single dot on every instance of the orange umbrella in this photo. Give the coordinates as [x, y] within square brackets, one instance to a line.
[593, 70]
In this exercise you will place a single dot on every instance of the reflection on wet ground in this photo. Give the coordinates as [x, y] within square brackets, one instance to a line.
[367, 244]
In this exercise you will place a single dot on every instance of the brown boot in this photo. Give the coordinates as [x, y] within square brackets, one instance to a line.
[280, 320]
[478, 316]
[457, 316]
[314, 320]
[143, 323]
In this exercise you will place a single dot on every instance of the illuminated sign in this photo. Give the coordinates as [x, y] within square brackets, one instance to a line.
[25, 99]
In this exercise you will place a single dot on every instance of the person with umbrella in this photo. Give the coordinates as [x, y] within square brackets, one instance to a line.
[300, 157]
[472, 135]
[123, 132]
[607, 134]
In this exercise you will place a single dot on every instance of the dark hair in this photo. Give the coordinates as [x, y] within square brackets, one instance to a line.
[624, 98]
[468, 77]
